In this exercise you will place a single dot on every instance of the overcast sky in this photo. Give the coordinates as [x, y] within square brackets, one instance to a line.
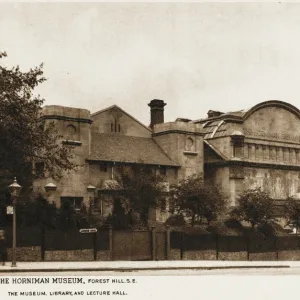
[196, 56]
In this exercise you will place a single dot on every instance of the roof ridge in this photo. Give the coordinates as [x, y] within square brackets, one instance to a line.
[119, 135]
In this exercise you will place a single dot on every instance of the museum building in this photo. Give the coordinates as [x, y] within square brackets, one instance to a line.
[258, 147]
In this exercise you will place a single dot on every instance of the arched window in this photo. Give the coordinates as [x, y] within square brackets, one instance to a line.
[115, 126]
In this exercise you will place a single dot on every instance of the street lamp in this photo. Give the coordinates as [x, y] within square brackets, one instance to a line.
[14, 190]
[50, 189]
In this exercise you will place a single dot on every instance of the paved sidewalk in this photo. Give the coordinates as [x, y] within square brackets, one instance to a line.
[141, 265]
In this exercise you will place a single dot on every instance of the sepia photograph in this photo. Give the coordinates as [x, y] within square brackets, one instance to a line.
[149, 149]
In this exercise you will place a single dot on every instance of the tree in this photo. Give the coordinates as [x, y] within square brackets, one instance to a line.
[196, 200]
[24, 137]
[137, 190]
[291, 211]
[254, 206]
[37, 212]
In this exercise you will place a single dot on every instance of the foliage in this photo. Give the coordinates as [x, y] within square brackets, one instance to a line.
[291, 210]
[66, 216]
[24, 136]
[176, 220]
[34, 212]
[254, 206]
[194, 199]
[137, 190]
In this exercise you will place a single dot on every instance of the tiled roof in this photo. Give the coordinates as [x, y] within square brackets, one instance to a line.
[121, 148]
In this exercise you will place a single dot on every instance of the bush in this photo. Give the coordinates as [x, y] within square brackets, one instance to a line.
[234, 224]
[176, 220]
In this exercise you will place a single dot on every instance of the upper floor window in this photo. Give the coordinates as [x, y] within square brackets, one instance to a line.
[71, 130]
[115, 126]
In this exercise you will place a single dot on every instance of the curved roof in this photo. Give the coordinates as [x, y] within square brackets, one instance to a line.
[217, 126]
[277, 103]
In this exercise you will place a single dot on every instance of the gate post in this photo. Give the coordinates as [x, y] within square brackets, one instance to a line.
[110, 233]
[153, 242]
[276, 247]
[95, 245]
[182, 244]
[217, 247]
[167, 242]
[248, 246]
[43, 243]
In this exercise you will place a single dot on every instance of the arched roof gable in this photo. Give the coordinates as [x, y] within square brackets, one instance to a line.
[275, 103]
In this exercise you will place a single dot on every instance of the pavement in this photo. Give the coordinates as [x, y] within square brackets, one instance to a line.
[127, 266]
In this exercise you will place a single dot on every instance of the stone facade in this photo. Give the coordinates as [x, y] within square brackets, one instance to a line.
[110, 137]
[254, 148]
[259, 147]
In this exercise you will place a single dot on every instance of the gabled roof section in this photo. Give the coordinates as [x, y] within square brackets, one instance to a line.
[128, 149]
[123, 111]
[215, 150]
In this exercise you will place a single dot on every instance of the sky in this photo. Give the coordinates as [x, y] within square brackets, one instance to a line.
[194, 56]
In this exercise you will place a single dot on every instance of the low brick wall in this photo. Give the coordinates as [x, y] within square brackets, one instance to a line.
[34, 254]
[199, 255]
[174, 254]
[289, 255]
[263, 256]
[70, 255]
[103, 255]
[26, 253]
[242, 255]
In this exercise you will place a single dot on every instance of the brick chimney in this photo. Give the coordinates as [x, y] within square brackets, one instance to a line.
[157, 111]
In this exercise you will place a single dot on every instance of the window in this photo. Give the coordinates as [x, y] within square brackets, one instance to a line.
[75, 202]
[98, 204]
[71, 130]
[103, 167]
[39, 168]
[115, 126]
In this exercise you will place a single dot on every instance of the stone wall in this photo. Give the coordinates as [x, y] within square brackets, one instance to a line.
[279, 183]
[74, 125]
[70, 255]
[35, 254]
[26, 253]
[183, 143]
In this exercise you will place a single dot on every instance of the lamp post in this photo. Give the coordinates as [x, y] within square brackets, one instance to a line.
[14, 190]
[50, 188]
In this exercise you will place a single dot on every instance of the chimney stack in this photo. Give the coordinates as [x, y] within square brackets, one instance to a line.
[157, 112]
[214, 113]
